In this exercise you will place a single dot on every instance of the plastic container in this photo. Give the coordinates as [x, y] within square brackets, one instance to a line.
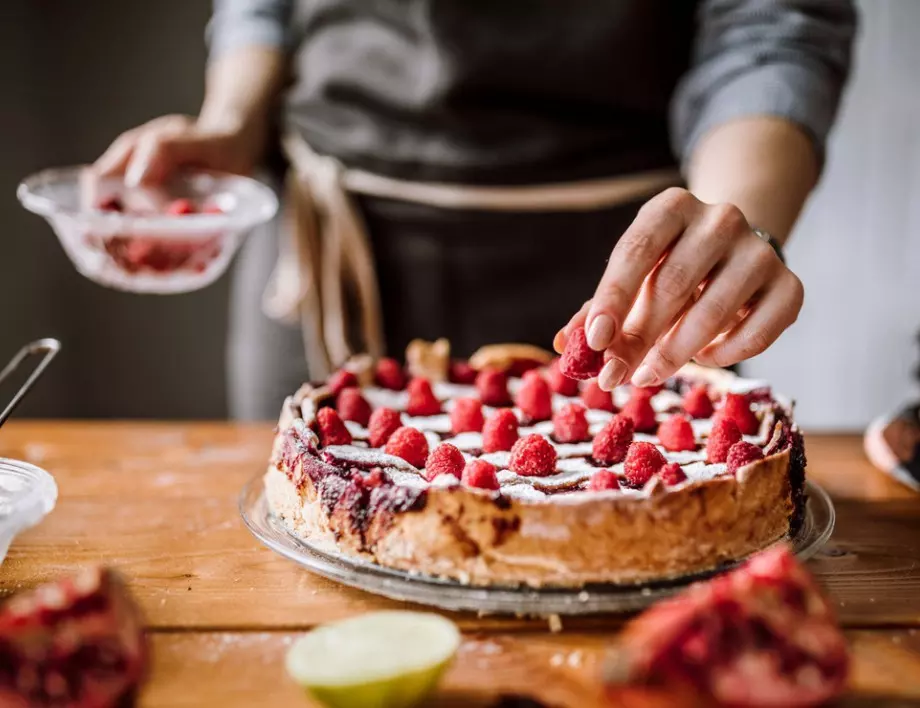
[27, 495]
[142, 247]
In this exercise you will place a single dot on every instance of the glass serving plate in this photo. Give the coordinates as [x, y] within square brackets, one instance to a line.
[452, 595]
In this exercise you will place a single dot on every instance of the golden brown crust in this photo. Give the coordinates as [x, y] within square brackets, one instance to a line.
[428, 360]
[504, 356]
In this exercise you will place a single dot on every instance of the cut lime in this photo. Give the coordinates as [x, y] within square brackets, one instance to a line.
[378, 660]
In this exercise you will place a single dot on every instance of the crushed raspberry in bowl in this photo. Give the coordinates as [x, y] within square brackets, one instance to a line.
[175, 238]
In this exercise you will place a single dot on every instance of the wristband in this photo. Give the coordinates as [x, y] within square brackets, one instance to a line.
[769, 240]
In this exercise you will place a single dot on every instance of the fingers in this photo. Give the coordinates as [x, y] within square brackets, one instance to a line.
[578, 319]
[771, 315]
[659, 222]
[751, 265]
[115, 159]
[717, 231]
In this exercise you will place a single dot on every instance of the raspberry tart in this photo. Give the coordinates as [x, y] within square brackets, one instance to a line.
[504, 470]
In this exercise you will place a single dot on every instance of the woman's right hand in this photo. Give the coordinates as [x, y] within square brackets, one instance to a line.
[150, 153]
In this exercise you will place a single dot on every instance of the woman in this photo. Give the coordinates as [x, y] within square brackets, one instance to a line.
[483, 160]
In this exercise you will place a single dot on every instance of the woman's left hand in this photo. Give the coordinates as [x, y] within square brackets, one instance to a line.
[686, 280]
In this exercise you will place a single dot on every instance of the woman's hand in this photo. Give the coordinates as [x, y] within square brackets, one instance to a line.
[150, 153]
[686, 280]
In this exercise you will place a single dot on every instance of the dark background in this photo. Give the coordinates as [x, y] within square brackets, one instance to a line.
[73, 76]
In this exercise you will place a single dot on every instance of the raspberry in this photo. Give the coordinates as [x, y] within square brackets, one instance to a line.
[533, 456]
[612, 442]
[570, 424]
[741, 454]
[181, 207]
[500, 431]
[351, 405]
[422, 400]
[460, 372]
[736, 407]
[384, 422]
[409, 444]
[492, 385]
[647, 391]
[596, 399]
[579, 361]
[697, 403]
[672, 474]
[480, 474]
[341, 379]
[519, 367]
[603, 480]
[724, 434]
[331, 429]
[639, 408]
[374, 478]
[676, 434]
[389, 374]
[112, 203]
[559, 382]
[643, 460]
[444, 459]
[534, 397]
[466, 416]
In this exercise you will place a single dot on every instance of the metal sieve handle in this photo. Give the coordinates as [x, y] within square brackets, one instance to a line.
[48, 348]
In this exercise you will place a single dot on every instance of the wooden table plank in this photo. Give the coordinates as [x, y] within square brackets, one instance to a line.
[159, 502]
[245, 669]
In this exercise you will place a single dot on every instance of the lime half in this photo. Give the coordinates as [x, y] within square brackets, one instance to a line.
[378, 660]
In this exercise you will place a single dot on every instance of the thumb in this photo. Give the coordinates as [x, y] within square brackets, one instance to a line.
[157, 157]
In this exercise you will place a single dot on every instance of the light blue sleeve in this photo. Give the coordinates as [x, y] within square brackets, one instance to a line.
[245, 23]
[785, 58]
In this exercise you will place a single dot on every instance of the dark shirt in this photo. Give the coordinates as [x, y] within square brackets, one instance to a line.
[532, 91]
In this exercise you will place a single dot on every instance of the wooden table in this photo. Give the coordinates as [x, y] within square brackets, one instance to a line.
[159, 502]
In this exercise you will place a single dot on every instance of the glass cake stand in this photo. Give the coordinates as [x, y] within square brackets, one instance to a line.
[452, 595]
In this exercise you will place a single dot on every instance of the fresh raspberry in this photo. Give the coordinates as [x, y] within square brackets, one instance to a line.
[724, 434]
[480, 474]
[500, 431]
[374, 478]
[519, 367]
[596, 399]
[341, 379]
[466, 416]
[492, 385]
[639, 408]
[351, 405]
[603, 480]
[460, 372]
[181, 207]
[676, 434]
[579, 361]
[533, 456]
[643, 460]
[409, 444]
[559, 382]
[672, 474]
[444, 459]
[422, 400]
[737, 408]
[534, 397]
[384, 422]
[647, 391]
[742, 453]
[570, 424]
[389, 374]
[697, 403]
[612, 442]
[112, 203]
[331, 429]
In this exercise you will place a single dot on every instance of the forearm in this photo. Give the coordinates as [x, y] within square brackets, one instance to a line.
[241, 92]
[765, 166]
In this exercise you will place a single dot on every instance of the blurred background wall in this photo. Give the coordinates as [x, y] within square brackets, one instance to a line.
[76, 74]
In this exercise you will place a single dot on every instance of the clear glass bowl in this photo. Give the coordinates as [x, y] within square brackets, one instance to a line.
[143, 248]
[27, 495]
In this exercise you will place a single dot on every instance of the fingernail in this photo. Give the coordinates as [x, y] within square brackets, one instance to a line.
[559, 342]
[644, 376]
[600, 333]
[134, 174]
[611, 375]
